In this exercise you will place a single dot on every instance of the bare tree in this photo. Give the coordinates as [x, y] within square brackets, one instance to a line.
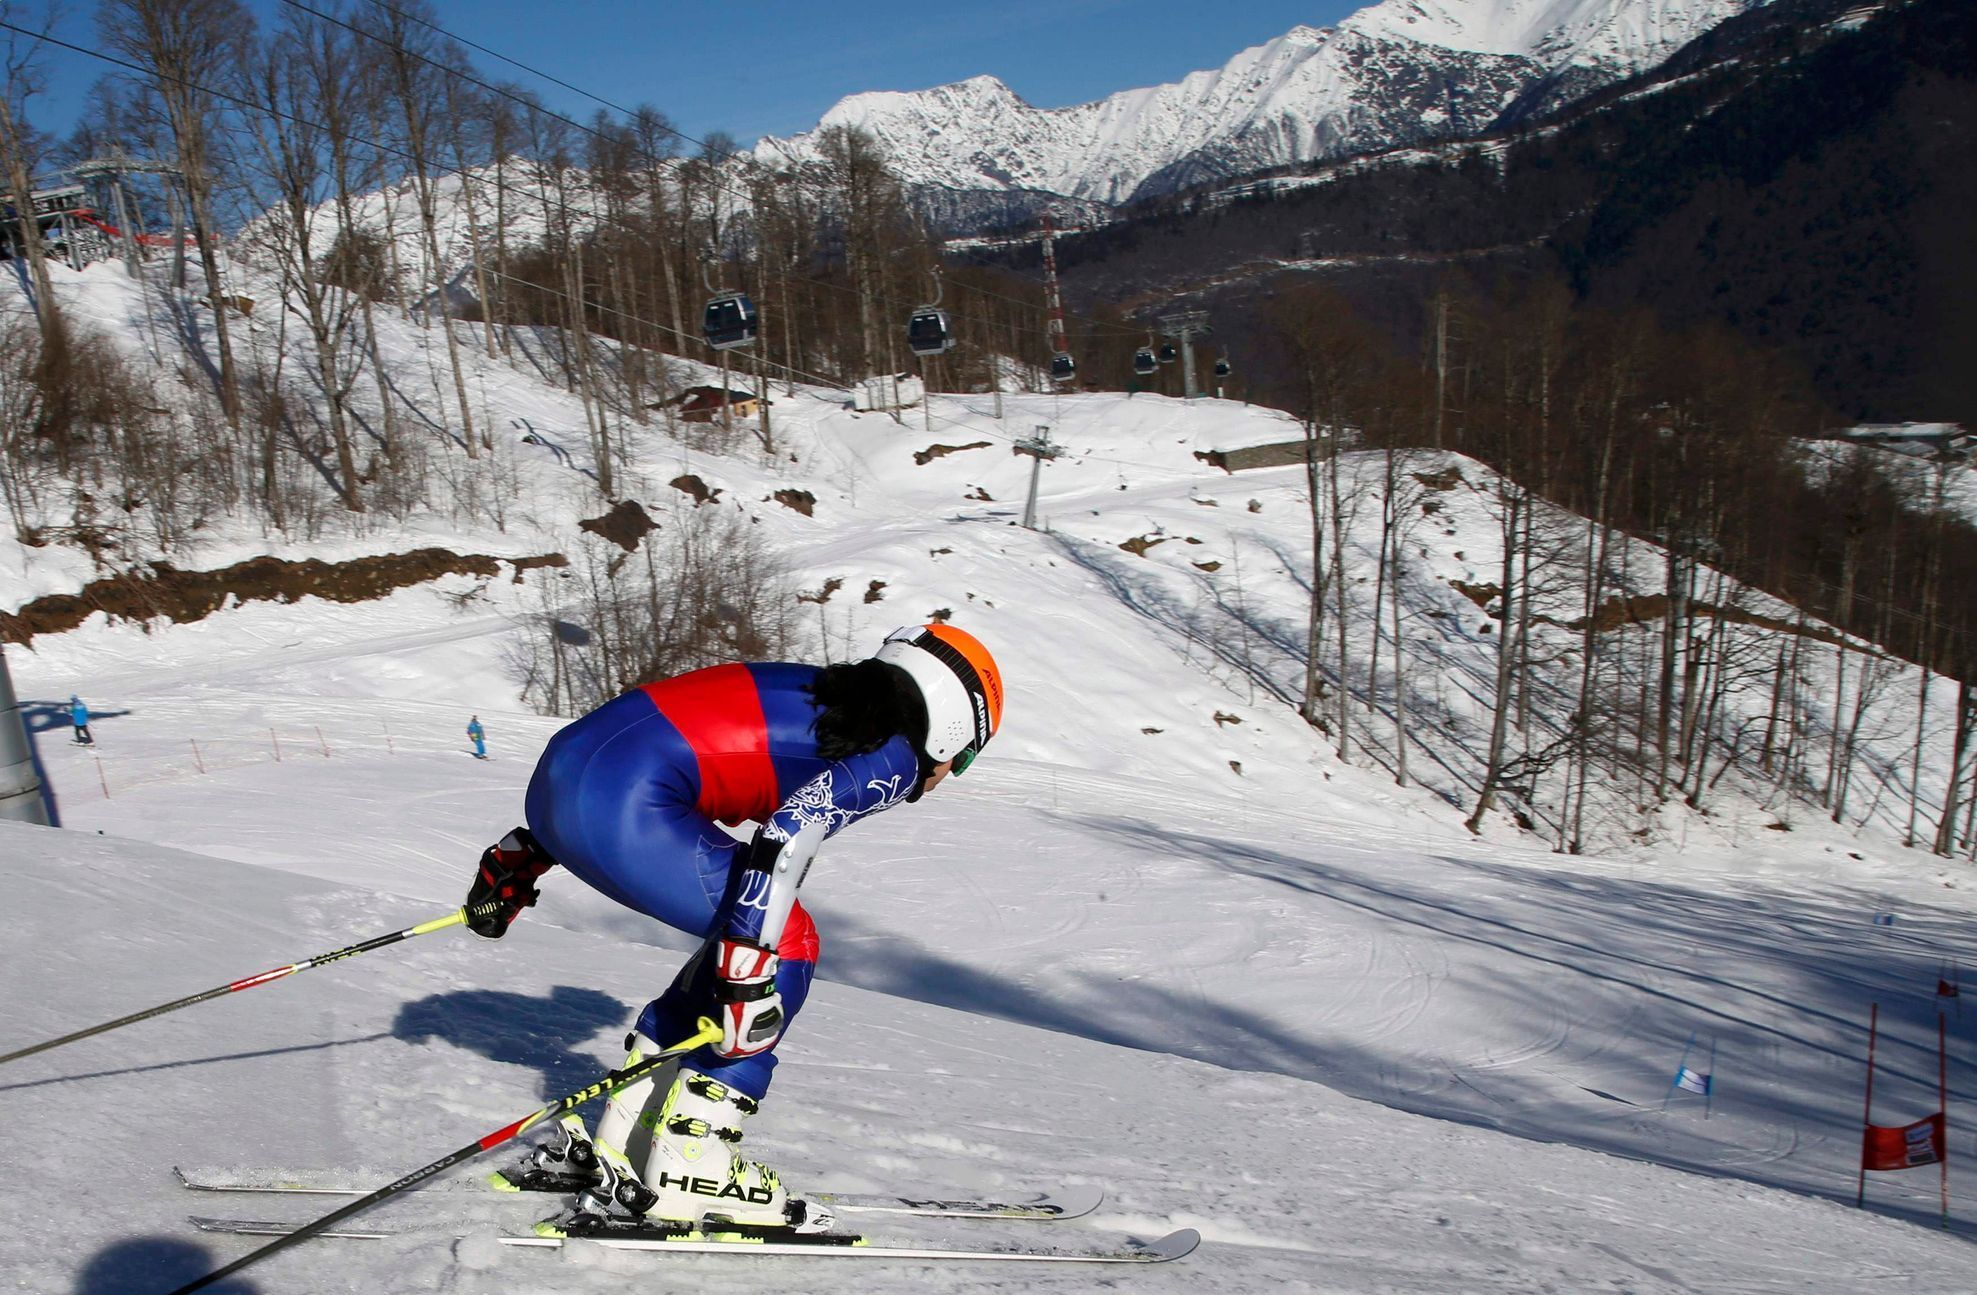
[415, 67]
[1337, 360]
[184, 45]
[298, 160]
[701, 589]
[20, 81]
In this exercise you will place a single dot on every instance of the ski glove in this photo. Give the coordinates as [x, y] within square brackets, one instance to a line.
[745, 998]
[505, 883]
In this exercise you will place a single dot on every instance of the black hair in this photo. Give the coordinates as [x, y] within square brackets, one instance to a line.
[863, 705]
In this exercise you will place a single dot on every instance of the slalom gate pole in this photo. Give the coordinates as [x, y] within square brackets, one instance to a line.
[1709, 1089]
[708, 1032]
[1943, 1104]
[1680, 1066]
[457, 917]
[1867, 1105]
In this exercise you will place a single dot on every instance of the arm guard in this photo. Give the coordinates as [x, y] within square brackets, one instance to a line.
[787, 863]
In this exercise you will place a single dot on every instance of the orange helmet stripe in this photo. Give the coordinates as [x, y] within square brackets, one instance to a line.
[976, 655]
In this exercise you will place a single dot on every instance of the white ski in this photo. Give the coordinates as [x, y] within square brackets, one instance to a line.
[1175, 1245]
[270, 1228]
[1063, 1203]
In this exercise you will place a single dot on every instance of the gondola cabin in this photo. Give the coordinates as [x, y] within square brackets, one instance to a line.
[731, 321]
[1168, 354]
[1222, 368]
[1063, 368]
[1144, 361]
[927, 332]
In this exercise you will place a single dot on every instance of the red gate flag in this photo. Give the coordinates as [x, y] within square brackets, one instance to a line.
[1904, 1146]
[1944, 989]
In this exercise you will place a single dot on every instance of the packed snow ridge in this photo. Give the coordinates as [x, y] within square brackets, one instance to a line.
[1398, 72]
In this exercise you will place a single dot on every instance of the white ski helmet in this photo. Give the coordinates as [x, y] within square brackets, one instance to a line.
[959, 684]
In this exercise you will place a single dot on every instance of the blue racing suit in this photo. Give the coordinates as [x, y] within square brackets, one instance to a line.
[630, 798]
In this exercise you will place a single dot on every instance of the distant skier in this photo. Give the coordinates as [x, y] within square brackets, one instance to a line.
[478, 736]
[628, 797]
[79, 716]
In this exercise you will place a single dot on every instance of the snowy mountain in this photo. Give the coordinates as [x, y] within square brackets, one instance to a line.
[1402, 71]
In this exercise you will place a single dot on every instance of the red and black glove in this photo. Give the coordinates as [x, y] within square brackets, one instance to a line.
[745, 998]
[505, 883]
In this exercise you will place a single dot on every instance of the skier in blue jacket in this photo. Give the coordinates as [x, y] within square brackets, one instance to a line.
[79, 716]
[630, 798]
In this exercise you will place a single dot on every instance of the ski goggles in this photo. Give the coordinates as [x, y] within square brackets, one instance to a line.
[964, 758]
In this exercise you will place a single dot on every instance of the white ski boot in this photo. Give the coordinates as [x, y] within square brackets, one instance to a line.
[668, 1150]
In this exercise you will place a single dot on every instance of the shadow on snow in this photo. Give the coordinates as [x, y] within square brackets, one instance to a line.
[147, 1264]
[552, 1035]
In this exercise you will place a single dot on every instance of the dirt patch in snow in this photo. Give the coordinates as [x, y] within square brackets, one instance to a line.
[625, 525]
[164, 591]
[688, 483]
[921, 458]
[1641, 609]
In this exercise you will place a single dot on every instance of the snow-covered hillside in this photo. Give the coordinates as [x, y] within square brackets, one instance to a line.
[1395, 73]
[1160, 939]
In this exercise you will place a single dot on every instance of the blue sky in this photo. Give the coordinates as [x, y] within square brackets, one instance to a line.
[754, 67]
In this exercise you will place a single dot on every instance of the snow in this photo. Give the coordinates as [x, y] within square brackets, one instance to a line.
[1559, 32]
[1356, 1055]
[1292, 1004]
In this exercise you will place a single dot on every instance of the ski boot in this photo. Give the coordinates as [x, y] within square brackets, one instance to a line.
[746, 1200]
[695, 1170]
[668, 1144]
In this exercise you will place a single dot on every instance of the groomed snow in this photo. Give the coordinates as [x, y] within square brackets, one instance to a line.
[1357, 1056]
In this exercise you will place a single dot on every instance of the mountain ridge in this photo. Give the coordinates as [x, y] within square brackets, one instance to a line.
[1397, 72]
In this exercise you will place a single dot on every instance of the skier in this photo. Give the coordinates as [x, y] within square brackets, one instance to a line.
[478, 736]
[79, 716]
[628, 797]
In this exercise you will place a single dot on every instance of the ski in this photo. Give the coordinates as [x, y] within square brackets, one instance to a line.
[1063, 1203]
[1175, 1245]
[270, 1228]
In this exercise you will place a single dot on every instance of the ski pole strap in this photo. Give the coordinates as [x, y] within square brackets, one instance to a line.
[457, 917]
[707, 1032]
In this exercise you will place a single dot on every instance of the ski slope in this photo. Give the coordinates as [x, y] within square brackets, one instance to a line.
[1159, 939]
[1358, 1058]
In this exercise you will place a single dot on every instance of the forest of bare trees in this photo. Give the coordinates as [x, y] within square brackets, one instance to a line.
[1667, 545]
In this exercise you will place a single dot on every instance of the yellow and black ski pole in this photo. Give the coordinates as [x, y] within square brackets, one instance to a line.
[455, 918]
[708, 1032]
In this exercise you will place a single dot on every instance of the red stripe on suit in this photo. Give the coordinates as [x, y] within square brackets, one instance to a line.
[799, 942]
[719, 713]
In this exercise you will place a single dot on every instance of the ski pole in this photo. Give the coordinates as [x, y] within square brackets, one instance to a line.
[708, 1032]
[457, 917]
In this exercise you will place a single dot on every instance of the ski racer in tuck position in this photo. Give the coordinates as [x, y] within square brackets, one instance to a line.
[629, 798]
